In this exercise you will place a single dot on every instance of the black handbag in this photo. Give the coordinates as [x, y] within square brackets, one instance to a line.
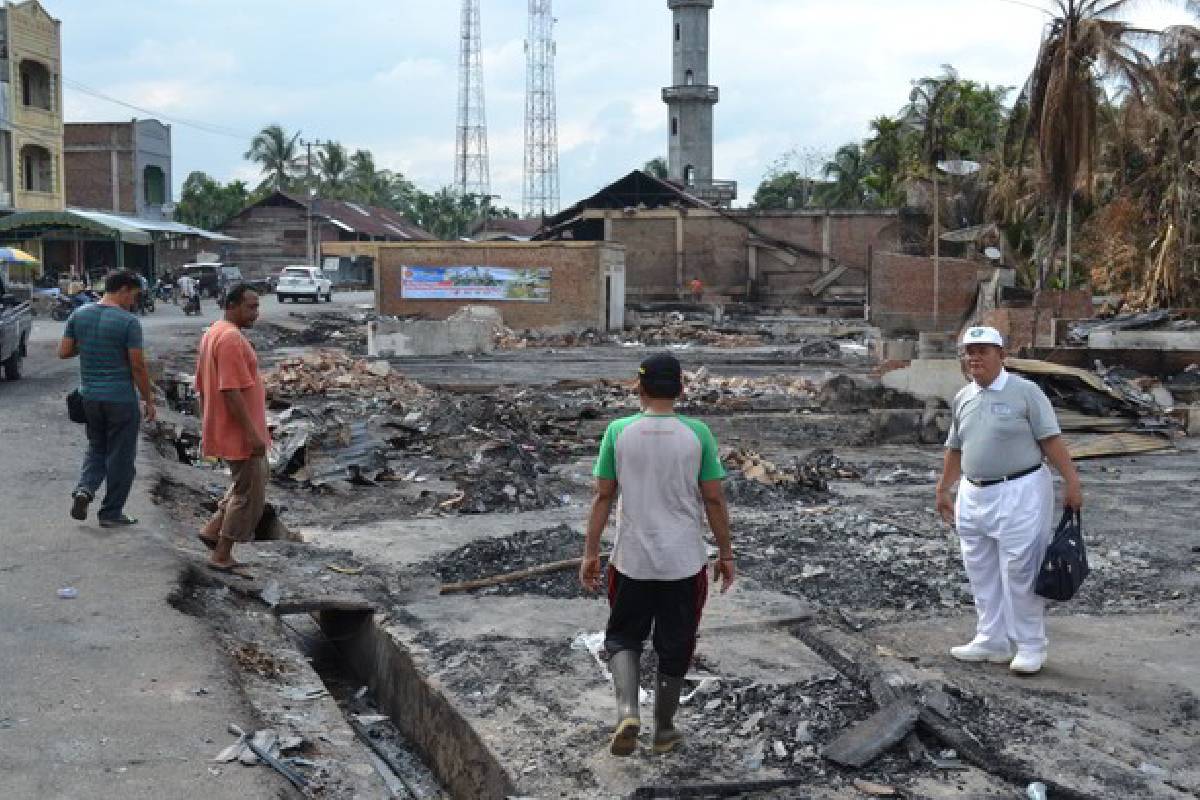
[1065, 565]
[75, 411]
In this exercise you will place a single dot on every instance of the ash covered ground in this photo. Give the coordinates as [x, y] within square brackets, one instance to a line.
[827, 508]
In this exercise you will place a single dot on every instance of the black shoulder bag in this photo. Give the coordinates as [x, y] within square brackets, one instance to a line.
[75, 411]
[1065, 565]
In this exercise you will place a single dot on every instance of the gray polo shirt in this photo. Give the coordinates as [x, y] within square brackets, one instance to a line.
[998, 428]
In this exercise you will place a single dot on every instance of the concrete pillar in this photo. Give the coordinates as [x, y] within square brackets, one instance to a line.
[751, 269]
[826, 242]
[115, 177]
[679, 254]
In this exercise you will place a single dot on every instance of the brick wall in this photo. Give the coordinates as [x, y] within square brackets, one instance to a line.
[901, 293]
[577, 279]
[716, 249]
[649, 254]
[1016, 324]
[88, 166]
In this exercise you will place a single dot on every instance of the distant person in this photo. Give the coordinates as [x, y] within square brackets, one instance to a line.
[233, 401]
[1003, 429]
[188, 288]
[697, 287]
[665, 469]
[108, 340]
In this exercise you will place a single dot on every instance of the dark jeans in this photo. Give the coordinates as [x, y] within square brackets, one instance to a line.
[112, 432]
[673, 608]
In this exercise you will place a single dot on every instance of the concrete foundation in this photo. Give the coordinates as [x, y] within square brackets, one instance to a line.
[430, 337]
[1148, 340]
[928, 379]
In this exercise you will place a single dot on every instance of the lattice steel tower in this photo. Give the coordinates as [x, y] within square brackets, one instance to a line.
[540, 196]
[471, 172]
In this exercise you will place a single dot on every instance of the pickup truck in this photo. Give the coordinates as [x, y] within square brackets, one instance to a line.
[16, 321]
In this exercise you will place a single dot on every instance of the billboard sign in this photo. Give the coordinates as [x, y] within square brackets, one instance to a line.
[475, 283]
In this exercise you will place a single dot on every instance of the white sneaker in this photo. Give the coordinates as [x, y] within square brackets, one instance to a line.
[982, 651]
[1027, 663]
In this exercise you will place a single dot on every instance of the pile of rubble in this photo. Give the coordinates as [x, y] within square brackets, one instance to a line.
[678, 332]
[702, 383]
[333, 373]
[508, 339]
[754, 479]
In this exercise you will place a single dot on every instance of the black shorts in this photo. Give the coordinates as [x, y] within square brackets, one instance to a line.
[673, 607]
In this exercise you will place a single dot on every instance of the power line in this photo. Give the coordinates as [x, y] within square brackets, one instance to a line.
[215, 130]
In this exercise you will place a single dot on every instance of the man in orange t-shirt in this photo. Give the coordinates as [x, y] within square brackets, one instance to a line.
[697, 287]
[233, 400]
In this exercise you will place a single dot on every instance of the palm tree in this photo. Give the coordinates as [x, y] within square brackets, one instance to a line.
[657, 167]
[332, 167]
[275, 152]
[885, 151]
[847, 174]
[1084, 47]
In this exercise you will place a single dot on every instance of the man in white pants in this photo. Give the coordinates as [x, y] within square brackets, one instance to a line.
[1002, 431]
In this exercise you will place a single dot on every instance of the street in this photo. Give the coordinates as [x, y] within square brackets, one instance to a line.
[114, 693]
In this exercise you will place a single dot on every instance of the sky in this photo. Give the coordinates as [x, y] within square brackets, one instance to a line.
[381, 75]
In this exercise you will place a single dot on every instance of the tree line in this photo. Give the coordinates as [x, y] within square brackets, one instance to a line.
[1089, 172]
[334, 173]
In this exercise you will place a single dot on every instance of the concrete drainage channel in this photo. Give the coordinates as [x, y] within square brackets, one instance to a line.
[424, 717]
[365, 716]
[373, 722]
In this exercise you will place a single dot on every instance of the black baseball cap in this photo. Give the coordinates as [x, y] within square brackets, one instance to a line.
[661, 375]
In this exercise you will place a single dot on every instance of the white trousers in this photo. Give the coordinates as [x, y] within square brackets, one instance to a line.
[1003, 531]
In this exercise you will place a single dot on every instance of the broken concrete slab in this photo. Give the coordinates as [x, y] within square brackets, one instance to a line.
[938, 378]
[1144, 340]
[883, 730]
[429, 337]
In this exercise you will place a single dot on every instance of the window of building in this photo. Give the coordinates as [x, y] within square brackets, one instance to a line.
[674, 126]
[689, 175]
[37, 169]
[690, 78]
[37, 86]
[154, 186]
[677, 31]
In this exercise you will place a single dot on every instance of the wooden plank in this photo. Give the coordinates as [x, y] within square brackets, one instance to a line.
[819, 286]
[878, 733]
[1116, 444]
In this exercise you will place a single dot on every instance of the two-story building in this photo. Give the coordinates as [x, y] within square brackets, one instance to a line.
[119, 167]
[31, 118]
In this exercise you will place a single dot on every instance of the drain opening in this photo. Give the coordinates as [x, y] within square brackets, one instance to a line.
[399, 764]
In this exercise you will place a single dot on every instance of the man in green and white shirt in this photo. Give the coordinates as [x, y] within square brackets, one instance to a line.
[665, 470]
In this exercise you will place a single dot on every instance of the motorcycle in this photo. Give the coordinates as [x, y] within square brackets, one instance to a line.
[146, 303]
[66, 304]
[191, 305]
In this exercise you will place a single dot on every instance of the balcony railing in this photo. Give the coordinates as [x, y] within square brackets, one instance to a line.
[708, 94]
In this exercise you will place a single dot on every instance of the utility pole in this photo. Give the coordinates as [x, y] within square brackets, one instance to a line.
[472, 174]
[310, 192]
[540, 197]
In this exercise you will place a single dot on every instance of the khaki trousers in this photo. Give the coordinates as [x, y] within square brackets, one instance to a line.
[239, 511]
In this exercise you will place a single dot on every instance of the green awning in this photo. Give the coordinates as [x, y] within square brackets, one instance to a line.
[37, 224]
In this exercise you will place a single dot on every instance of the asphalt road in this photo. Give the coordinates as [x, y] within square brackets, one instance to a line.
[100, 695]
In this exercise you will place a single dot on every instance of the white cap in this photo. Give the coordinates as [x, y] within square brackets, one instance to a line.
[981, 334]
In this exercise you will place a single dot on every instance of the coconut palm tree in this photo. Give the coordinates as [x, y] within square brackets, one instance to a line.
[274, 151]
[1085, 46]
[885, 152]
[332, 168]
[847, 177]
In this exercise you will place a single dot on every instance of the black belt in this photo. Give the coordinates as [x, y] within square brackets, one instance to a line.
[1006, 478]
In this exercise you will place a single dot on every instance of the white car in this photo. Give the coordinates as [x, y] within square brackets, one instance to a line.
[307, 282]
